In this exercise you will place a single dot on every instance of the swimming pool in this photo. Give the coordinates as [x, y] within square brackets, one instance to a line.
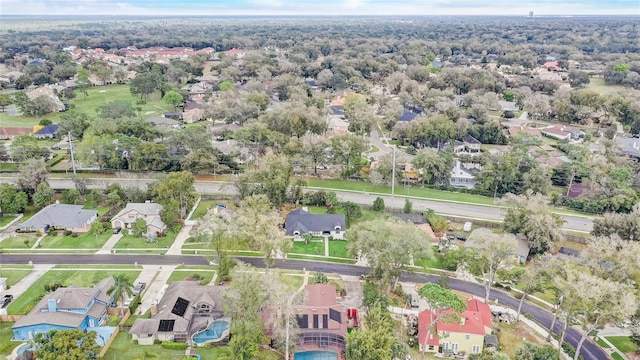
[214, 332]
[316, 355]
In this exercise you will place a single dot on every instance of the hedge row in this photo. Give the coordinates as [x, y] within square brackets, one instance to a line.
[171, 345]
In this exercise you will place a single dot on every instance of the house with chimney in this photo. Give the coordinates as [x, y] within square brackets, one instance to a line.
[147, 211]
[67, 308]
[185, 312]
[444, 335]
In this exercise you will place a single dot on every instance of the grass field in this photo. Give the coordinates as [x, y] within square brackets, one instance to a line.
[13, 276]
[337, 248]
[6, 345]
[98, 95]
[617, 356]
[8, 167]
[23, 304]
[180, 275]
[598, 85]
[403, 191]
[603, 344]
[430, 263]
[623, 343]
[83, 241]
[512, 336]
[204, 206]
[315, 258]
[17, 243]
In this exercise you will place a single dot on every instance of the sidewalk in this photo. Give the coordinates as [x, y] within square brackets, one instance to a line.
[106, 248]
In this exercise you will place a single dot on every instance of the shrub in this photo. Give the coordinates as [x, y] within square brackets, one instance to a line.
[171, 345]
[134, 304]
[67, 232]
[74, 235]
[570, 350]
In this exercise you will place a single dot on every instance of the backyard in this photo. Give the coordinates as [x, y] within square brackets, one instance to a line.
[206, 205]
[97, 96]
[83, 278]
[6, 345]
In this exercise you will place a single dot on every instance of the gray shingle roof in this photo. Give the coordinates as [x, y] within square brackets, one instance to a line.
[305, 222]
[60, 216]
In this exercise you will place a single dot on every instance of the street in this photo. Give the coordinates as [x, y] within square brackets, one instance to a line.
[471, 211]
[589, 350]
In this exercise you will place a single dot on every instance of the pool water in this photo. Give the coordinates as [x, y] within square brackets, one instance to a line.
[212, 333]
[316, 355]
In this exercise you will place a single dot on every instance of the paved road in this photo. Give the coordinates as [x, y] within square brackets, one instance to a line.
[590, 351]
[574, 223]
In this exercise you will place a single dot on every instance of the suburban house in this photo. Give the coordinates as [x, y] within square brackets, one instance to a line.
[562, 132]
[408, 115]
[322, 322]
[56, 104]
[533, 132]
[10, 133]
[508, 106]
[47, 132]
[469, 146]
[185, 310]
[478, 238]
[67, 308]
[629, 147]
[148, 211]
[467, 335]
[300, 222]
[461, 177]
[61, 217]
[163, 122]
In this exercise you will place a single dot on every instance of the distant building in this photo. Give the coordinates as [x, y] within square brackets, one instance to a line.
[461, 177]
[530, 13]
[61, 217]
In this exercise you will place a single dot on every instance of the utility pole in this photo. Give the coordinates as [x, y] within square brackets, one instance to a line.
[73, 161]
[393, 176]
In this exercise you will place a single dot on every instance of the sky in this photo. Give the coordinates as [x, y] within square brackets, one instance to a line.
[319, 7]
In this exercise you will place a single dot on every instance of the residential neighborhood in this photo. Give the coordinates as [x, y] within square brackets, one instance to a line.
[311, 187]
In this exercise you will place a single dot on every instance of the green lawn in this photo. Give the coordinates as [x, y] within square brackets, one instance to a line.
[304, 257]
[598, 85]
[616, 356]
[8, 167]
[98, 96]
[83, 241]
[13, 276]
[313, 248]
[124, 347]
[180, 275]
[623, 343]
[130, 241]
[403, 191]
[337, 248]
[23, 304]
[431, 263]
[6, 345]
[5, 220]
[203, 207]
[294, 282]
[17, 243]
[603, 344]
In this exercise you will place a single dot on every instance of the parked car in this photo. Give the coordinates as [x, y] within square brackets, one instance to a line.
[138, 288]
[127, 303]
[461, 237]
[117, 230]
[6, 300]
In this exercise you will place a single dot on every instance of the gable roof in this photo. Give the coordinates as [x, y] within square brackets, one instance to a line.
[69, 298]
[143, 208]
[417, 219]
[172, 306]
[15, 131]
[471, 140]
[320, 295]
[304, 222]
[407, 115]
[60, 216]
[475, 320]
[49, 129]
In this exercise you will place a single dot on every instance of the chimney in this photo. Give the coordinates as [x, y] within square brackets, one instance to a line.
[153, 309]
[52, 305]
[462, 320]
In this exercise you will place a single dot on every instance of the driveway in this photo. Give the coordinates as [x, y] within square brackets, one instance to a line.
[354, 297]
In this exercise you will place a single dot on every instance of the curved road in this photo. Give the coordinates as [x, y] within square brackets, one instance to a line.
[471, 211]
[589, 350]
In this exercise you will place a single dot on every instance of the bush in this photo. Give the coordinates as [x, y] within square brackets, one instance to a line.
[570, 350]
[74, 235]
[171, 345]
[67, 232]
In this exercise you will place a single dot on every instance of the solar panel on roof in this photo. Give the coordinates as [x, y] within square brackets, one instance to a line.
[166, 325]
[180, 306]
